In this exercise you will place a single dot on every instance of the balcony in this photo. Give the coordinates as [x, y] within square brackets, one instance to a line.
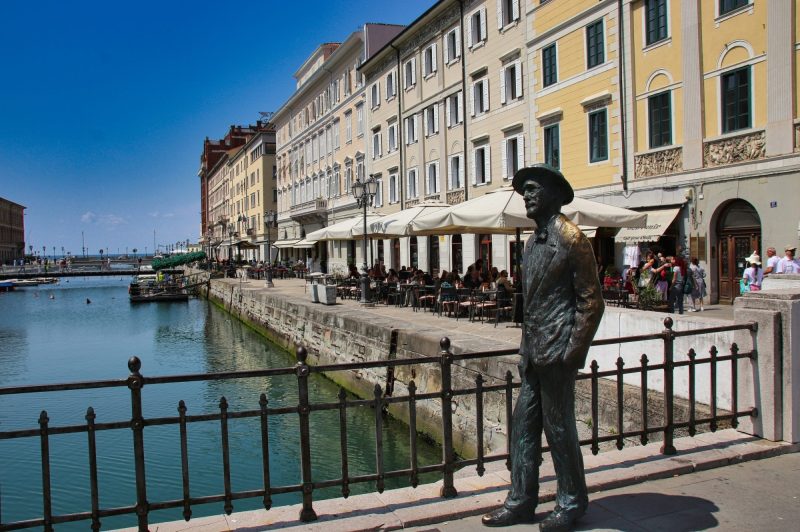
[310, 211]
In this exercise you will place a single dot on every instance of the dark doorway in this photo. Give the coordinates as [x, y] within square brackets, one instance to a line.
[433, 254]
[485, 250]
[396, 254]
[456, 253]
[414, 252]
[739, 234]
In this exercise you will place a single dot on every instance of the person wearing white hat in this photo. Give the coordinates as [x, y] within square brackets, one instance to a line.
[753, 275]
[788, 264]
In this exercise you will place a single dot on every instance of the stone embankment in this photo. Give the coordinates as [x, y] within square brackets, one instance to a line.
[348, 332]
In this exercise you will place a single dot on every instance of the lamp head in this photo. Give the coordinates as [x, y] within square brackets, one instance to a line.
[358, 189]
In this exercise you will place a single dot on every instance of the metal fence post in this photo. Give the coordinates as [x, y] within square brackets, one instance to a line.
[669, 368]
[135, 384]
[446, 361]
[302, 370]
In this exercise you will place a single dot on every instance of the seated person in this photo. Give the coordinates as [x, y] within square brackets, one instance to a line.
[392, 277]
[472, 279]
[504, 281]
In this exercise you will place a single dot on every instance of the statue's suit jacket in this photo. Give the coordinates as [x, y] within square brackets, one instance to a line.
[562, 297]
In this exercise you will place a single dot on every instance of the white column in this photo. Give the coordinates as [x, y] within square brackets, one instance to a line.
[469, 249]
[692, 87]
[422, 253]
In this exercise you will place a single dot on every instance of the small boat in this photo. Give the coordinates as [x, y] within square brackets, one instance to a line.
[147, 288]
[6, 286]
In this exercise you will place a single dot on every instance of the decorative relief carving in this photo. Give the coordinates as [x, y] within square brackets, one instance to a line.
[736, 149]
[454, 197]
[658, 163]
[797, 137]
[412, 202]
[432, 197]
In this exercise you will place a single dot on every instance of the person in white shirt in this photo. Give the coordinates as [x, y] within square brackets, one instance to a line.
[772, 261]
[753, 274]
[788, 264]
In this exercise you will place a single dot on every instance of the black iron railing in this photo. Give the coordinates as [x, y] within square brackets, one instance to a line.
[445, 361]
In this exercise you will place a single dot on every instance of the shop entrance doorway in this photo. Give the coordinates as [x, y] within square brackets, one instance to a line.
[739, 232]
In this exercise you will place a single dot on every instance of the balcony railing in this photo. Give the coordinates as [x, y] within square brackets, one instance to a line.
[447, 395]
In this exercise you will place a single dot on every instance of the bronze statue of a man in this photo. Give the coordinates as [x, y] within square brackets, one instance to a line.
[563, 304]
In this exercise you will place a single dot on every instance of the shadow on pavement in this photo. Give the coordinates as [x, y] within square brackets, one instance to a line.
[636, 512]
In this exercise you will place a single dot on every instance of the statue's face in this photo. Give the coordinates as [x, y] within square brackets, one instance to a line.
[538, 199]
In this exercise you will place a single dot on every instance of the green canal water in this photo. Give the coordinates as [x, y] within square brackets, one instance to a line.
[50, 334]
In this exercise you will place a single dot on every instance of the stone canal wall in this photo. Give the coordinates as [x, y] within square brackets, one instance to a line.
[342, 334]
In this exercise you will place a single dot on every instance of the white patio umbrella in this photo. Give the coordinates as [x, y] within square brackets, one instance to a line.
[397, 224]
[503, 211]
[342, 230]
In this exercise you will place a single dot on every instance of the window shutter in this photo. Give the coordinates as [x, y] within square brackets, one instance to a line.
[472, 166]
[405, 132]
[460, 112]
[487, 169]
[460, 169]
[436, 118]
[472, 99]
[469, 32]
[438, 177]
[433, 58]
[515, 10]
[457, 51]
[380, 144]
[518, 80]
[413, 71]
[520, 151]
[415, 128]
[378, 94]
[504, 156]
[485, 87]
[448, 114]
[483, 23]
[500, 14]
[446, 49]
[503, 72]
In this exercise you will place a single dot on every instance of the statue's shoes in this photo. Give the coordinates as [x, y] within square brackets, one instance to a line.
[505, 517]
[561, 520]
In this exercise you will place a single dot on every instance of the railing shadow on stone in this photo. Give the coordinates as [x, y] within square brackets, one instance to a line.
[447, 395]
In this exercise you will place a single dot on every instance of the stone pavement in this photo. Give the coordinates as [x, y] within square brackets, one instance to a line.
[633, 489]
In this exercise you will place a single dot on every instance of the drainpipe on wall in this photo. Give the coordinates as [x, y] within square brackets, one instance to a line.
[622, 98]
[464, 98]
[401, 174]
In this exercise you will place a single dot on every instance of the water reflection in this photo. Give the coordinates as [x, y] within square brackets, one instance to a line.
[65, 339]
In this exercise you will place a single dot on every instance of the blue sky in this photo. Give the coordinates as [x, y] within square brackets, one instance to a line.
[104, 105]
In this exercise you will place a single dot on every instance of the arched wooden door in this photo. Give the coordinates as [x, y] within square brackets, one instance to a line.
[739, 233]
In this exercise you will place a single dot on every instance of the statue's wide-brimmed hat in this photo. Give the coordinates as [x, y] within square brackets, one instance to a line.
[547, 176]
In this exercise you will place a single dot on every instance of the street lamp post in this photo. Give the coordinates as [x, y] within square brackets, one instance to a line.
[269, 221]
[364, 194]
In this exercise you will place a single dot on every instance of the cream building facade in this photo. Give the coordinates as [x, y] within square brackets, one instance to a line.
[322, 148]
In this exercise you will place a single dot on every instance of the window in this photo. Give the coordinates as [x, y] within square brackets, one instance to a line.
[328, 140]
[455, 109]
[391, 86]
[659, 113]
[336, 186]
[392, 137]
[456, 177]
[549, 65]
[394, 197]
[598, 136]
[595, 46]
[375, 95]
[507, 12]
[376, 143]
[410, 69]
[348, 124]
[360, 119]
[726, 6]
[513, 155]
[480, 97]
[476, 29]
[348, 178]
[429, 60]
[736, 100]
[452, 45]
[655, 21]
[511, 82]
[336, 126]
[378, 202]
[432, 120]
[360, 174]
[551, 146]
[432, 181]
[481, 165]
[413, 191]
[411, 129]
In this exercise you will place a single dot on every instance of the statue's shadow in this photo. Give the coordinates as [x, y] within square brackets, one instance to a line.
[638, 512]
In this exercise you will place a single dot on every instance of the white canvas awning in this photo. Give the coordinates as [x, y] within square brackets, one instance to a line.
[657, 222]
[305, 243]
[398, 223]
[283, 244]
[342, 230]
